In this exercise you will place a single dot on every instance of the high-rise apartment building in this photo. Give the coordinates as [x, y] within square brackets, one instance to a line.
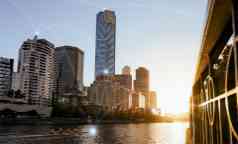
[36, 66]
[105, 43]
[69, 69]
[6, 70]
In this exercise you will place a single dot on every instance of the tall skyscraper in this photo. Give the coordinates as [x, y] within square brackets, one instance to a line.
[69, 69]
[6, 70]
[105, 43]
[141, 84]
[37, 70]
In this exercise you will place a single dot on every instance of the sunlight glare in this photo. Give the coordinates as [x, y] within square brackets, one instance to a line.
[92, 131]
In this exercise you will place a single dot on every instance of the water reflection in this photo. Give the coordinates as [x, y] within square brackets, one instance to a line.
[93, 131]
[155, 133]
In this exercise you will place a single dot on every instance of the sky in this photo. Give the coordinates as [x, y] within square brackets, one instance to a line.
[162, 35]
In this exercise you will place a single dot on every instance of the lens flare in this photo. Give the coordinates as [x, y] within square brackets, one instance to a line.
[106, 71]
[92, 131]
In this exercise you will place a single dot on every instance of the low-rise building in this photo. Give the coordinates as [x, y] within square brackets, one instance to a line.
[73, 98]
[6, 70]
[109, 94]
[124, 80]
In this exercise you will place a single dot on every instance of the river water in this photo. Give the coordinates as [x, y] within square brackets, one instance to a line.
[153, 133]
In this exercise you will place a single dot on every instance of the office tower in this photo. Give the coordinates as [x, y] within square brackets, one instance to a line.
[6, 70]
[69, 69]
[126, 70]
[105, 43]
[141, 84]
[37, 70]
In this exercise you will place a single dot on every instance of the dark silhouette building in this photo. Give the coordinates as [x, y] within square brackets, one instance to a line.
[141, 84]
[6, 71]
[69, 69]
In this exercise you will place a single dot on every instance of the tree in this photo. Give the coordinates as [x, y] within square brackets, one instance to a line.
[10, 93]
[19, 94]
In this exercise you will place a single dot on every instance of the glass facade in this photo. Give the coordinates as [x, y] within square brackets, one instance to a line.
[105, 43]
[69, 68]
[6, 69]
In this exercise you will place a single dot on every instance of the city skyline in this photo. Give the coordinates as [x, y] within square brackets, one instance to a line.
[128, 71]
[163, 77]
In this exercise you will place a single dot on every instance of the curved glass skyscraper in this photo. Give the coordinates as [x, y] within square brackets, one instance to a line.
[105, 43]
[69, 69]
